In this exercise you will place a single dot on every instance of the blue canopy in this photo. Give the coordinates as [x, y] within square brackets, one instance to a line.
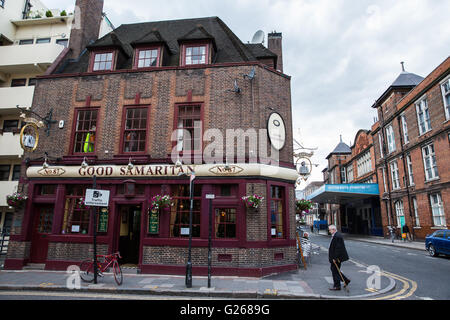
[343, 193]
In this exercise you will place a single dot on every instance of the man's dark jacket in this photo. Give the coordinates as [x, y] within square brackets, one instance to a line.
[337, 249]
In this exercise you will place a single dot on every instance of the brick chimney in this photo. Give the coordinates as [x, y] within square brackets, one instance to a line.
[274, 45]
[85, 26]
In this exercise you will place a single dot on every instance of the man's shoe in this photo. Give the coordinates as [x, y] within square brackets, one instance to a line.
[347, 282]
[335, 288]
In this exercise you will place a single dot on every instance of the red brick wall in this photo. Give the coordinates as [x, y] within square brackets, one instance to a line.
[422, 189]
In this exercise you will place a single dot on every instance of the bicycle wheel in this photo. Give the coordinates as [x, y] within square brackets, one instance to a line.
[117, 273]
[87, 270]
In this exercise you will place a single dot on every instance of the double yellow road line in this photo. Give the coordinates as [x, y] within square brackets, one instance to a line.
[409, 287]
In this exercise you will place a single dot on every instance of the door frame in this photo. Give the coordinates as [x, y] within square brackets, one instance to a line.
[116, 243]
[35, 223]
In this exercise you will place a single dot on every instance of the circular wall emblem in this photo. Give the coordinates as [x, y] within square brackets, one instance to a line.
[276, 131]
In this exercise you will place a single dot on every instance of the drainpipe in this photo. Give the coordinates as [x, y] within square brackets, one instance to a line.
[386, 166]
[406, 173]
[26, 9]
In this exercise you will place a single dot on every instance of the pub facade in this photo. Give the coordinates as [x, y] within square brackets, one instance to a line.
[142, 112]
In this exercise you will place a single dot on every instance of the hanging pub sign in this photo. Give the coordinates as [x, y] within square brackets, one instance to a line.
[102, 225]
[29, 137]
[153, 222]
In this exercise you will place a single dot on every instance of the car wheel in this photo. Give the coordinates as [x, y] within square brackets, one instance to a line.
[432, 251]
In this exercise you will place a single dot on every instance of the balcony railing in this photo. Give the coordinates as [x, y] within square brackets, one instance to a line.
[30, 58]
[7, 188]
[10, 97]
[10, 145]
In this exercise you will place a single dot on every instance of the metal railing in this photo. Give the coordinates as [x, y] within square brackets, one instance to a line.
[4, 241]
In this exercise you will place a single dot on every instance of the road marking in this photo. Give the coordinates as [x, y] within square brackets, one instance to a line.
[403, 293]
[90, 295]
[411, 254]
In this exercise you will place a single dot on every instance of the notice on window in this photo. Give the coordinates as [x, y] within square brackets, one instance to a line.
[75, 228]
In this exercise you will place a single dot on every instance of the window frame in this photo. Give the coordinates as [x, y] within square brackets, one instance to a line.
[415, 206]
[283, 213]
[99, 52]
[74, 130]
[444, 94]
[66, 42]
[380, 141]
[409, 166]
[23, 42]
[350, 173]
[18, 82]
[433, 164]
[185, 46]
[423, 107]
[440, 206]
[399, 211]
[8, 171]
[10, 128]
[122, 131]
[43, 40]
[218, 223]
[390, 136]
[195, 213]
[65, 222]
[137, 51]
[176, 128]
[395, 175]
[404, 129]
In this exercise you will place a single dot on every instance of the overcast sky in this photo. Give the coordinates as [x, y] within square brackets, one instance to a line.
[341, 54]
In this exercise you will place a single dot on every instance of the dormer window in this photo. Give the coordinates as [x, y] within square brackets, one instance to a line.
[103, 61]
[195, 54]
[147, 57]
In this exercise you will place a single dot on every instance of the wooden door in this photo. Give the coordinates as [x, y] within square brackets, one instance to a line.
[42, 227]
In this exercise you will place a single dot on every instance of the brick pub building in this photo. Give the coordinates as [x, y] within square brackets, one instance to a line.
[123, 107]
[412, 147]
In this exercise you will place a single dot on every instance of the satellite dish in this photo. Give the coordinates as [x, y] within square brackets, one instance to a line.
[258, 37]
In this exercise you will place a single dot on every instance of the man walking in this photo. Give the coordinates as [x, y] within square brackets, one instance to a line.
[337, 254]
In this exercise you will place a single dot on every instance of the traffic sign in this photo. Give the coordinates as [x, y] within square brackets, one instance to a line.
[97, 198]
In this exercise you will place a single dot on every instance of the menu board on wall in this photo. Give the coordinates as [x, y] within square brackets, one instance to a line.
[153, 222]
[102, 225]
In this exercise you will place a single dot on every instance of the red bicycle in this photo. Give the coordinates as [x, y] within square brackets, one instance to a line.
[107, 260]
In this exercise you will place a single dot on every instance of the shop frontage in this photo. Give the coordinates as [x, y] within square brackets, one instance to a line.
[57, 227]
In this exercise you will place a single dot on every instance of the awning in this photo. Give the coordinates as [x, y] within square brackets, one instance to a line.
[344, 193]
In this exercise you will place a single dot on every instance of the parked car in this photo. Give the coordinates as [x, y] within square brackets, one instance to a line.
[438, 243]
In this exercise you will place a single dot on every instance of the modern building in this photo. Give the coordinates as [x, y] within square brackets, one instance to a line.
[349, 196]
[412, 140]
[32, 37]
[141, 111]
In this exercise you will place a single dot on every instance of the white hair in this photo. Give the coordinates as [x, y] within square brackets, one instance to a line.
[332, 226]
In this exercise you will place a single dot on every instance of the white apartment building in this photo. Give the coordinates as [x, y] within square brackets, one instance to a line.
[30, 40]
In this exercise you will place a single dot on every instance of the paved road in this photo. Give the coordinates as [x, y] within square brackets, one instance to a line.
[417, 274]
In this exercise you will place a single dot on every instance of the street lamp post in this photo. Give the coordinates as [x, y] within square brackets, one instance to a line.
[188, 280]
[191, 207]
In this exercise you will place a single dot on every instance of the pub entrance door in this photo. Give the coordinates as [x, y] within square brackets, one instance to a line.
[130, 233]
[42, 227]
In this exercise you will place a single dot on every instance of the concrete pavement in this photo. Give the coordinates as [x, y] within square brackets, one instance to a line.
[312, 282]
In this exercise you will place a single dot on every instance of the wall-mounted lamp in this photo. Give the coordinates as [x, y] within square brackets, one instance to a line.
[130, 165]
[84, 164]
[45, 164]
